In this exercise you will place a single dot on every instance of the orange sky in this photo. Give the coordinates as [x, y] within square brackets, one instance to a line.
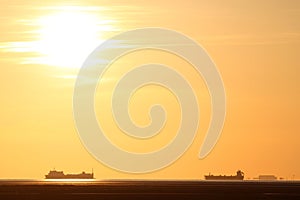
[254, 44]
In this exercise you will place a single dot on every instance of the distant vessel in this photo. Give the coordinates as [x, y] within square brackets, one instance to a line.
[267, 177]
[239, 176]
[53, 174]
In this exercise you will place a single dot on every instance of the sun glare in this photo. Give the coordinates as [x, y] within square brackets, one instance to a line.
[66, 38]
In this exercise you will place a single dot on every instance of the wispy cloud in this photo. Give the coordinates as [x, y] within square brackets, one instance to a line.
[58, 37]
[252, 39]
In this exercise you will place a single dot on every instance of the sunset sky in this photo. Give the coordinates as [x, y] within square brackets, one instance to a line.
[254, 44]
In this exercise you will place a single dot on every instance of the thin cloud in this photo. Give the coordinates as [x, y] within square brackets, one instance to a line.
[255, 39]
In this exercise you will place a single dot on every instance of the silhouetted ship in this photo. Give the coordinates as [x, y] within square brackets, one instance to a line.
[239, 176]
[53, 174]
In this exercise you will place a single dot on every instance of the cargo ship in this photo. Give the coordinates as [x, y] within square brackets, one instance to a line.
[239, 176]
[53, 174]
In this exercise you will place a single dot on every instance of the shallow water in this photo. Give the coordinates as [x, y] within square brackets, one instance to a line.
[147, 189]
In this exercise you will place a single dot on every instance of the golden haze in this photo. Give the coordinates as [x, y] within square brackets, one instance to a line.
[254, 44]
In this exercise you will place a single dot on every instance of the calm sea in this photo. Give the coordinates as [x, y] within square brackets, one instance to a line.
[147, 189]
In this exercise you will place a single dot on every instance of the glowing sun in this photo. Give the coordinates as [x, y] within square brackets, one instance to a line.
[66, 38]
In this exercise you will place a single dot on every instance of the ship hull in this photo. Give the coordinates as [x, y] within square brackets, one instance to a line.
[228, 178]
[70, 177]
